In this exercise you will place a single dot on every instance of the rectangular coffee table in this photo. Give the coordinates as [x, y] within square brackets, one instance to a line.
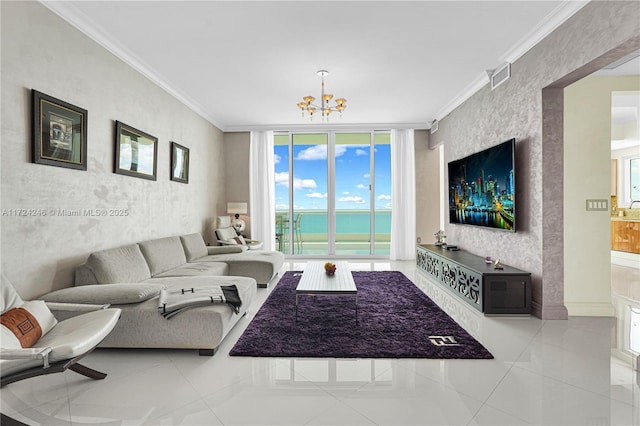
[315, 281]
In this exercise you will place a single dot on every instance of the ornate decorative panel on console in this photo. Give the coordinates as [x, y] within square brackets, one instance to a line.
[489, 290]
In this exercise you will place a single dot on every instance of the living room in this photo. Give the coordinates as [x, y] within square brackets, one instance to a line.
[39, 254]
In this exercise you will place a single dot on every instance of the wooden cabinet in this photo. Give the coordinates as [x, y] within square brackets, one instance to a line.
[625, 236]
[489, 290]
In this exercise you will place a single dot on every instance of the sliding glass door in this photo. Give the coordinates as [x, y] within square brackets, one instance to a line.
[333, 193]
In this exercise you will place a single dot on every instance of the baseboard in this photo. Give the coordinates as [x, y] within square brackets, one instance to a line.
[550, 312]
[591, 309]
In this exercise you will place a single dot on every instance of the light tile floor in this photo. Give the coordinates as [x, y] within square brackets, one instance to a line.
[544, 373]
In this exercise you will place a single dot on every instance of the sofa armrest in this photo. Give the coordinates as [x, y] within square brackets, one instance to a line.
[234, 248]
[76, 307]
[27, 353]
[100, 294]
[63, 311]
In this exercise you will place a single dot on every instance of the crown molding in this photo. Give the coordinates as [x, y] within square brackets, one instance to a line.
[319, 127]
[477, 84]
[75, 17]
[552, 21]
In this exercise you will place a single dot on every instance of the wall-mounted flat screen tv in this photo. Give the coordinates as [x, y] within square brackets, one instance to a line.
[482, 188]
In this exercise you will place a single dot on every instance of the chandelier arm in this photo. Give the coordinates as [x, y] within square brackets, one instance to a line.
[319, 107]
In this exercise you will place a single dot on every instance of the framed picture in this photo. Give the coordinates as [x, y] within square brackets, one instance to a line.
[59, 132]
[179, 163]
[136, 152]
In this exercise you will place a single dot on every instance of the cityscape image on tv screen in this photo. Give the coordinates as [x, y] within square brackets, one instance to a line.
[482, 188]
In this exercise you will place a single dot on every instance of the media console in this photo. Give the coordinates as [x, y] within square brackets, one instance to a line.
[489, 290]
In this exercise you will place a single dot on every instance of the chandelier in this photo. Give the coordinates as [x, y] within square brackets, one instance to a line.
[324, 108]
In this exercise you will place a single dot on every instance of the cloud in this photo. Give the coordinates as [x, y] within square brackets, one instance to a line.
[345, 192]
[276, 158]
[316, 195]
[282, 179]
[304, 183]
[352, 199]
[366, 175]
[383, 197]
[361, 186]
[360, 152]
[316, 152]
[387, 206]
[319, 152]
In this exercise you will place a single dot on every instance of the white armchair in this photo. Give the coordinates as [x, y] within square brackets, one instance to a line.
[227, 235]
[59, 345]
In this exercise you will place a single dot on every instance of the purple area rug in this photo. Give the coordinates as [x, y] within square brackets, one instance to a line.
[395, 320]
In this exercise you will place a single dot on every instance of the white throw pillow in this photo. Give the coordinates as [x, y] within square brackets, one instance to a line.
[9, 298]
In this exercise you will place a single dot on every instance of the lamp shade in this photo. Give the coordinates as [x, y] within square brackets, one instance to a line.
[239, 208]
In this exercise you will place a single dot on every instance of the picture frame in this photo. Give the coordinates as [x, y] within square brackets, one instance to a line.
[179, 163]
[59, 132]
[136, 152]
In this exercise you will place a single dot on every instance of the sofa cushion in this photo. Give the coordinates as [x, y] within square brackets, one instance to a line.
[258, 264]
[194, 246]
[196, 269]
[214, 250]
[124, 264]
[163, 254]
[99, 294]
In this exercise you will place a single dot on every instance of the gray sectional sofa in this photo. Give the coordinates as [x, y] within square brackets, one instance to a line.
[131, 277]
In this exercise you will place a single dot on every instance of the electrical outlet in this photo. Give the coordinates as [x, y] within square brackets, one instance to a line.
[419, 240]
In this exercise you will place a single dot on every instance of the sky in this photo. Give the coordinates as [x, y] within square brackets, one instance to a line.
[352, 177]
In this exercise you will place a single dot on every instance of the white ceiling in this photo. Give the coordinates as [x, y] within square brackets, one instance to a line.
[244, 65]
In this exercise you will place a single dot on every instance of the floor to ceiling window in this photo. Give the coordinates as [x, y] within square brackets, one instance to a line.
[333, 193]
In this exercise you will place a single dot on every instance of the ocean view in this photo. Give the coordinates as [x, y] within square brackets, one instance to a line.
[315, 222]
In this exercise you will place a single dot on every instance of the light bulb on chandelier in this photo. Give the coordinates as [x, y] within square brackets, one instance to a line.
[324, 108]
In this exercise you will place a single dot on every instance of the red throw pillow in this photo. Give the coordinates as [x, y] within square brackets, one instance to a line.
[23, 325]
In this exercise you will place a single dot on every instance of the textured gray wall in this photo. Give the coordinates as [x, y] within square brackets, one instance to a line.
[41, 51]
[516, 109]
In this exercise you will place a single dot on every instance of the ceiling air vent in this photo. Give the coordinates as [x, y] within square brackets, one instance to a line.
[499, 75]
[434, 126]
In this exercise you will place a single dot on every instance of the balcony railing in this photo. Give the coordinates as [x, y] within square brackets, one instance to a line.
[353, 235]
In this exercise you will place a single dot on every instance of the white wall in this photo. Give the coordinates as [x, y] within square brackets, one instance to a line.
[587, 173]
[38, 254]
